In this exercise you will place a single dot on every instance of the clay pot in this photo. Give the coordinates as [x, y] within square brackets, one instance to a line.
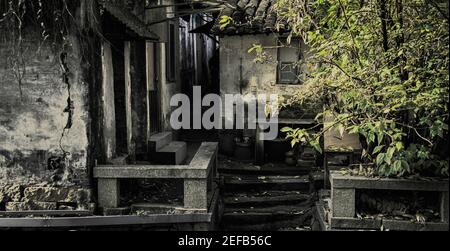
[290, 158]
[243, 150]
[276, 149]
[227, 143]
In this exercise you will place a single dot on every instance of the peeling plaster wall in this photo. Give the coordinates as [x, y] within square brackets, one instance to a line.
[240, 75]
[31, 125]
[167, 88]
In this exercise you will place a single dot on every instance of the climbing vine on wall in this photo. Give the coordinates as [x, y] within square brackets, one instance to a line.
[29, 21]
[46, 22]
[12, 23]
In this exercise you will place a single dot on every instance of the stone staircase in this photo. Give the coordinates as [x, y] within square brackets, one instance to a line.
[269, 198]
[164, 151]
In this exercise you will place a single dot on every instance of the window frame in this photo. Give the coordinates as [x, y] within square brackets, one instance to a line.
[280, 42]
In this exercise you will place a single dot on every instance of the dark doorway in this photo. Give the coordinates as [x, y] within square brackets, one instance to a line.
[154, 112]
[153, 93]
[119, 95]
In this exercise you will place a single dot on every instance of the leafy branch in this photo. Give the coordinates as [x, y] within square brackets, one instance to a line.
[382, 67]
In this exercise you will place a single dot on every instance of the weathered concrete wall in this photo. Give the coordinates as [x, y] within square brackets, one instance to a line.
[240, 75]
[31, 125]
[166, 88]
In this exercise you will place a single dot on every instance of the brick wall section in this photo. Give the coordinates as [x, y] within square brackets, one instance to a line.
[31, 127]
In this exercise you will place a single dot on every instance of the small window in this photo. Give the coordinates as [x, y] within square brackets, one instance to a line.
[289, 57]
[170, 53]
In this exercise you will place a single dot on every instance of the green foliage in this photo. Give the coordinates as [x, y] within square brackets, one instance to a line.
[225, 21]
[260, 54]
[380, 68]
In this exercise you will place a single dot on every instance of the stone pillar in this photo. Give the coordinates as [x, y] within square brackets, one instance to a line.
[444, 206]
[343, 202]
[108, 105]
[108, 193]
[139, 96]
[128, 112]
[195, 194]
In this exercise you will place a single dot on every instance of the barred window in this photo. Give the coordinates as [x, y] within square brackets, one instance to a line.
[289, 59]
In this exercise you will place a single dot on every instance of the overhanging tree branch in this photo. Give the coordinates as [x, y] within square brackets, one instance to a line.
[192, 3]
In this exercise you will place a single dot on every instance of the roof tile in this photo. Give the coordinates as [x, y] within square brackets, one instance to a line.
[249, 17]
[130, 20]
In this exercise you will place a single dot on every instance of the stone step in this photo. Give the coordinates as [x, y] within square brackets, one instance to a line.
[266, 198]
[116, 211]
[173, 153]
[278, 169]
[46, 213]
[230, 219]
[306, 163]
[151, 208]
[275, 226]
[317, 179]
[270, 182]
[265, 221]
[298, 208]
[159, 140]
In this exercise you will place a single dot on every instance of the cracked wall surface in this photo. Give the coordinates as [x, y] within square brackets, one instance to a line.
[31, 125]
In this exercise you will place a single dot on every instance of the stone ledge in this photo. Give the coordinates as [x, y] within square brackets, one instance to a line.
[30, 205]
[116, 211]
[45, 213]
[148, 171]
[393, 225]
[90, 221]
[320, 216]
[199, 167]
[204, 157]
[346, 181]
[397, 225]
[195, 176]
[353, 223]
[57, 194]
[149, 208]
